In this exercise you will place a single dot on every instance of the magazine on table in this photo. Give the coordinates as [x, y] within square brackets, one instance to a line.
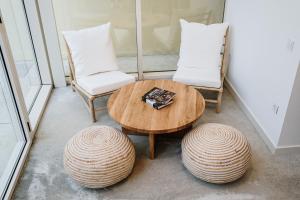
[158, 98]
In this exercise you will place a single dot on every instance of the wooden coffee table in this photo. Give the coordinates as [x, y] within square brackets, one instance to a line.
[126, 107]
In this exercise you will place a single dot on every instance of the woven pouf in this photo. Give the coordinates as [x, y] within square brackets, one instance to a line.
[99, 156]
[216, 153]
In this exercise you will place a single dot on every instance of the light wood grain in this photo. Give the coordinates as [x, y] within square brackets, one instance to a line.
[224, 67]
[151, 146]
[127, 108]
[89, 100]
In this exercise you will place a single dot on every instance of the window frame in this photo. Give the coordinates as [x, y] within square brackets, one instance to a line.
[141, 74]
[29, 120]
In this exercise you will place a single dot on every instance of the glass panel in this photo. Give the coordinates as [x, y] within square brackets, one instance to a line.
[161, 28]
[78, 14]
[19, 37]
[11, 135]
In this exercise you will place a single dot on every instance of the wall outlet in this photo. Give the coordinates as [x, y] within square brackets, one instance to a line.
[275, 109]
[290, 45]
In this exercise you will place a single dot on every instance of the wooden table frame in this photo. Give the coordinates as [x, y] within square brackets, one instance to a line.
[136, 117]
[152, 138]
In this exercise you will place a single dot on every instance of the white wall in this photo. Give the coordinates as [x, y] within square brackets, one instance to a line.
[290, 135]
[262, 67]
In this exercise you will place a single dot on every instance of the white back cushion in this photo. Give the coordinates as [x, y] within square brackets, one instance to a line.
[201, 45]
[92, 50]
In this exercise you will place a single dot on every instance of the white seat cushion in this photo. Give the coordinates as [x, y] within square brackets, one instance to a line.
[92, 50]
[104, 82]
[198, 77]
[201, 45]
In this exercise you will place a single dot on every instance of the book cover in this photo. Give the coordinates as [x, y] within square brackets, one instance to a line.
[158, 98]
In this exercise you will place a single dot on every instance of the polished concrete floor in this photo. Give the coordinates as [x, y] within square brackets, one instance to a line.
[270, 177]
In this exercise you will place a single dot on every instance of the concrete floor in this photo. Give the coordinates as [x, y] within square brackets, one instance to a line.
[273, 177]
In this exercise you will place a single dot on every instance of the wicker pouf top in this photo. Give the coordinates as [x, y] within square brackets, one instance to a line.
[99, 156]
[216, 153]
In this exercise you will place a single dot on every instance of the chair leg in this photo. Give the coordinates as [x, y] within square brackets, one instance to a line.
[219, 100]
[72, 86]
[92, 109]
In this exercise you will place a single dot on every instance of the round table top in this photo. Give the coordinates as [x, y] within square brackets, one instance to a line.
[127, 108]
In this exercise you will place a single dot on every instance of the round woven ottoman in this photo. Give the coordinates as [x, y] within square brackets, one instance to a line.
[216, 153]
[99, 156]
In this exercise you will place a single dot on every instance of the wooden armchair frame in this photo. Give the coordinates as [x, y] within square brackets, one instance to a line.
[89, 101]
[224, 67]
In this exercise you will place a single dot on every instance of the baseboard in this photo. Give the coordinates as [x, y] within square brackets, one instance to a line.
[250, 115]
[288, 149]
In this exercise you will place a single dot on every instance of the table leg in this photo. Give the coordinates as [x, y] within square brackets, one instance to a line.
[125, 131]
[188, 129]
[151, 146]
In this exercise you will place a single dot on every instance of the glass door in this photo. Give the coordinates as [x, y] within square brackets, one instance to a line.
[19, 37]
[161, 28]
[12, 137]
[78, 14]
[146, 33]
[25, 86]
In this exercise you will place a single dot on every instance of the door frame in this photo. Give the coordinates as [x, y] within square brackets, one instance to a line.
[29, 121]
[13, 81]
